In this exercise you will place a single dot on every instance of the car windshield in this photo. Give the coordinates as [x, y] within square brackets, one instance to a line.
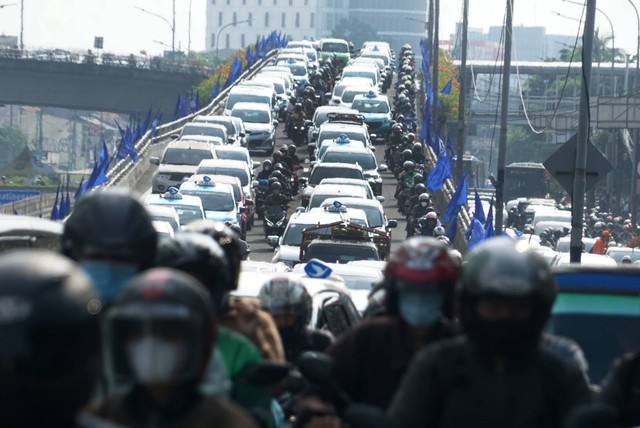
[198, 129]
[293, 234]
[220, 170]
[187, 213]
[297, 70]
[252, 116]
[332, 134]
[365, 160]
[170, 220]
[231, 130]
[213, 201]
[311, 55]
[232, 155]
[374, 216]
[349, 94]
[185, 156]
[330, 253]
[235, 98]
[358, 282]
[319, 173]
[615, 318]
[335, 47]
[366, 106]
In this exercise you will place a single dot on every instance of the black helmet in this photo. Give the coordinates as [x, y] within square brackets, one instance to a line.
[400, 118]
[292, 149]
[406, 154]
[278, 175]
[417, 147]
[228, 240]
[273, 179]
[276, 186]
[419, 188]
[200, 256]
[421, 268]
[397, 128]
[298, 107]
[160, 312]
[112, 236]
[408, 164]
[424, 197]
[504, 271]
[418, 179]
[50, 332]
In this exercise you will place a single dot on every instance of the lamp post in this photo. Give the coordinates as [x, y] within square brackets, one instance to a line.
[633, 205]
[171, 24]
[222, 29]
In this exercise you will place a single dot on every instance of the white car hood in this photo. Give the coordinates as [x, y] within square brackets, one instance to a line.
[257, 127]
[287, 253]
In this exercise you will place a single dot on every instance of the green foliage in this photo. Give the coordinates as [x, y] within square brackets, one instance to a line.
[12, 143]
[355, 31]
[523, 145]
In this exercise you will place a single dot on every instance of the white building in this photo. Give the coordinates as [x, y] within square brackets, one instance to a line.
[298, 19]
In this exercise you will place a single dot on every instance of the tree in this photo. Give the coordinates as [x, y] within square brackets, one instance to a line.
[355, 31]
[12, 141]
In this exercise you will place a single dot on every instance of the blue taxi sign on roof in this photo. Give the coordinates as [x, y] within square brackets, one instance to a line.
[371, 94]
[291, 60]
[317, 269]
[342, 139]
[173, 193]
[206, 181]
[337, 204]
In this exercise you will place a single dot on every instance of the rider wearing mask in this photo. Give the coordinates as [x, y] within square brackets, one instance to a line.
[267, 169]
[110, 234]
[498, 373]
[159, 335]
[289, 303]
[50, 346]
[276, 198]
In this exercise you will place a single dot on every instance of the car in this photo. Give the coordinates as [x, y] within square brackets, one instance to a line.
[376, 112]
[359, 281]
[209, 129]
[232, 168]
[586, 259]
[320, 116]
[236, 153]
[617, 253]
[262, 85]
[331, 306]
[335, 191]
[369, 71]
[21, 231]
[329, 170]
[217, 198]
[599, 308]
[240, 94]
[362, 156]
[350, 93]
[381, 54]
[164, 214]
[341, 85]
[298, 69]
[189, 208]
[163, 229]
[312, 57]
[372, 208]
[350, 125]
[235, 128]
[354, 182]
[214, 141]
[325, 144]
[282, 96]
[260, 123]
[378, 62]
[287, 247]
[339, 47]
[179, 160]
[301, 44]
[563, 244]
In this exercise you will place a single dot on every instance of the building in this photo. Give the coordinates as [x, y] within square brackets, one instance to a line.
[298, 19]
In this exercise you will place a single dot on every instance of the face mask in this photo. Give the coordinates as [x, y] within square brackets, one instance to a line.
[420, 309]
[424, 204]
[155, 360]
[108, 276]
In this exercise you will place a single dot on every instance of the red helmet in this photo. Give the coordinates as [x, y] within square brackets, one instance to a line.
[277, 155]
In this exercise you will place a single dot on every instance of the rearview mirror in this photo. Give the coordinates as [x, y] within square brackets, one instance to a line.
[255, 164]
[174, 136]
[242, 135]
[154, 160]
[231, 140]
[255, 183]
[272, 241]
[383, 167]
[380, 198]
[392, 224]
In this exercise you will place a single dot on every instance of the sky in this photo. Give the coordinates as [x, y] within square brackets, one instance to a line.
[73, 24]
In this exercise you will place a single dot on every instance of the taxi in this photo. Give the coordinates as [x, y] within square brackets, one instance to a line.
[189, 208]
[217, 198]
[376, 112]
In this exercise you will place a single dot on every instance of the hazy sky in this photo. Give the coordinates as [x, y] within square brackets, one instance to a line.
[73, 24]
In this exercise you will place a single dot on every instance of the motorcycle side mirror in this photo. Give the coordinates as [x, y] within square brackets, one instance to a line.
[272, 240]
[249, 202]
[231, 140]
[392, 224]
[373, 136]
[275, 123]
[380, 198]
[155, 160]
[255, 164]
[265, 373]
[242, 135]
[316, 367]
[327, 94]
[242, 209]
[255, 183]
[383, 167]
[300, 209]
[308, 122]
[314, 134]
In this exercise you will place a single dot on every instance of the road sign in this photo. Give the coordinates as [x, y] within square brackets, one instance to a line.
[317, 269]
[561, 165]
[98, 42]
[10, 195]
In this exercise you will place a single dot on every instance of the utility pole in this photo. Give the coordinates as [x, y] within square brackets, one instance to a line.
[580, 169]
[504, 112]
[430, 31]
[21, 26]
[463, 89]
[434, 74]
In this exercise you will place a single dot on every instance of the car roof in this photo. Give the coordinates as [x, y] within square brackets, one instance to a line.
[345, 269]
[337, 188]
[361, 67]
[333, 165]
[190, 144]
[186, 200]
[232, 149]
[378, 97]
[586, 259]
[341, 125]
[597, 279]
[208, 139]
[348, 149]
[230, 163]
[251, 106]
[206, 125]
[353, 213]
[348, 202]
[164, 210]
[312, 218]
[228, 179]
[333, 40]
[218, 188]
[250, 89]
[338, 180]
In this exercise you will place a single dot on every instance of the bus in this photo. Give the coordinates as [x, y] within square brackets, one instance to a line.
[475, 169]
[525, 180]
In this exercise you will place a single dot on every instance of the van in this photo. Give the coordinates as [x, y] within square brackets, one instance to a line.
[245, 94]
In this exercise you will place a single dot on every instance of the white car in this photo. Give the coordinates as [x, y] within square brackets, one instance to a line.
[179, 160]
[189, 208]
[259, 121]
[249, 94]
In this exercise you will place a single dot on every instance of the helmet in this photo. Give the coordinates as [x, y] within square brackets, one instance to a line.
[112, 236]
[397, 128]
[284, 149]
[279, 167]
[544, 235]
[501, 271]
[277, 175]
[417, 147]
[424, 197]
[444, 239]
[400, 118]
[200, 256]
[50, 327]
[438, 231]
[599, 225]
[407, 154]
[421, 269]
[267, 164]
[283, 296]
[626, 227]
[276, 186]
[298, 107]
[160, 313]
[408, 164]
[273, 179]
[228, 240]
[431, 216]
[419, 189]
[418, 179]
[277, 155]
[292, 149]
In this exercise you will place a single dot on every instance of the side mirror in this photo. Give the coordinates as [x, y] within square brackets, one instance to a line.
[175, 136]
[314, 134]
[380, 198]
[392, 224]
[383, 167]
[327, 94]
[249, 202]
[255, 183]
[308, 122]
[231, 140]
[242, 209]
[275, 123]
[316, 367]
[248, 132]
[272, 241]
[255, 164]
[154, 160]
[242, 135]
[300, 209]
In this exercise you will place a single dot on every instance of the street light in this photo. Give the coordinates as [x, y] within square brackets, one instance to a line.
[636, 150]
[226, 26]
[7, 4]
[171, 25]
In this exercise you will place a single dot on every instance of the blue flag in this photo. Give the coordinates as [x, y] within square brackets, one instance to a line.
[476, 230]
[478, 211]
[439, 173]
[55, 210]
[452, 227]
[447, 88]
[67, 198]
[79, 189]
[489, 231]
[458, 199]
[450, 150]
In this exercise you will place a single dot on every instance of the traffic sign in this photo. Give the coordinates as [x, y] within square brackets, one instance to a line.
[317, 269]
[561, 165]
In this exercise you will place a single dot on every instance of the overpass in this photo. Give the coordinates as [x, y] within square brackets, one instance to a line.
[95, 87]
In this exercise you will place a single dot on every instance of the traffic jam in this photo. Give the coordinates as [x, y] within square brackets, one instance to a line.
[290, 266]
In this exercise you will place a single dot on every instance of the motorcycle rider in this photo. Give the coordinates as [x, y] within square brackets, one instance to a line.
[292, 154]
[110, 234]
[428, 223]
[297, 116]
[289, 303]
[507, 291]
[417, 152]
[405, 182]
[267, 169]
[159, 336]
[276, 198]
[50, 351]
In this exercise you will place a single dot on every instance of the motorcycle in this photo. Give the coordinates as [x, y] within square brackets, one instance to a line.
[298, 132]
[275, 220]
[260, 196]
